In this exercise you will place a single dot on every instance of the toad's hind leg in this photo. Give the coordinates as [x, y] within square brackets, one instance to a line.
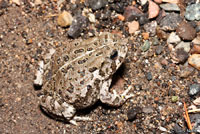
[60, 110]
[113, 99]
[57, 108]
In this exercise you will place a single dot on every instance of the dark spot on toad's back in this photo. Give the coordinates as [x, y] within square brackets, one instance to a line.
[101, 73]
[99, 53]
[89, 87]
[58, 61]
[114, 54]
[95, 43]
[89, 49]
[82, 82]
[49, 75]
[82, 61]
[64, 70]
[92, 69]
[79, 51]
[66, 58]
[82, 73]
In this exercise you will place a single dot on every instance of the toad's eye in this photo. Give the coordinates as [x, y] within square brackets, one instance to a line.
[114, 54]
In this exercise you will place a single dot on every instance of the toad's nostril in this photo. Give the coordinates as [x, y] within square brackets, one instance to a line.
[114, 54]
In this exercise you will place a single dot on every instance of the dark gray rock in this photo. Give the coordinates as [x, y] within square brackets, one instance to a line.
[170, 22]
[132, 13]
[179, 55]
[97, 4]
[151, 28]
[194, 89]
[132, 113]
[193, 12]
[159, 49]
[149, 76]
[78, 24]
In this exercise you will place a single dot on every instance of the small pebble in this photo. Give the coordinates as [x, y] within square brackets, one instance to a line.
[177, 129]
[179, 55]
[155, 41]
[164, 62]
[3, 4]
[194, 89]
[196, 40]
[170, 47]
[158, 1]
[153, 9]
[133, 26]
[184, 45]
[151, 28]
[196, 101]
[18, 2]
[64, 19]
[145, 46]
[171, 1]
[186, 31]
[149, 76]
[173, 38]
[147, 109]
[194, 60]
[143, 19]
[143, 2]
[170, 22]
[161, 34]
[138, 87]
[173, 78]
[145, 36]
[175, 98]
[197, 28]
[97, 4]
[159, 49]
[38, 2]
[163, 129]
[91, 17]
[195, 49]
[170, 7]
[186, 71]
[132, 113]
[193, 12]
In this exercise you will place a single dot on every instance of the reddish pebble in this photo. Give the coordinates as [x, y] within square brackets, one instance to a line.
[121, 17]
[145, 36]
[194, 60]
[171, 1]
[164, 62]
[153, 9]
[186, 31]
[195, 49]
[133, 26]
[158, 1]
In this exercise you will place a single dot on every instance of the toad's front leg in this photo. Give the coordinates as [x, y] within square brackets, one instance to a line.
[42, 66]
[113, 99]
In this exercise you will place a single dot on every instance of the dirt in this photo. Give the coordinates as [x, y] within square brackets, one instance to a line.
[25, 36]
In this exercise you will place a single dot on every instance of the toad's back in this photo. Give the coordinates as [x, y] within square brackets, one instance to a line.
[75, 74]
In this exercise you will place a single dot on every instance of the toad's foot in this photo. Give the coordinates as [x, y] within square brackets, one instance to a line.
[125, 93]
[114, 99]
[79, 118]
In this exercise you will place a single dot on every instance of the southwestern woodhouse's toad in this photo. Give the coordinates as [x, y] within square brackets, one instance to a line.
[75, 78]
